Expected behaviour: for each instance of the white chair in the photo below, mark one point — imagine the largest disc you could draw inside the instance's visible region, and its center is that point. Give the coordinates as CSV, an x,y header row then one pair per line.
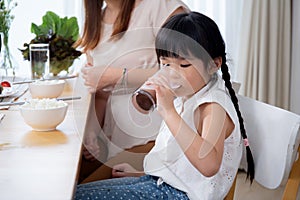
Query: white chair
x,y
236,86
274,137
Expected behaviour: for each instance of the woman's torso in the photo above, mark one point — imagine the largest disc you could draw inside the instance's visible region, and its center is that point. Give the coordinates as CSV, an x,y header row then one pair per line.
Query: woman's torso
x,y
136,47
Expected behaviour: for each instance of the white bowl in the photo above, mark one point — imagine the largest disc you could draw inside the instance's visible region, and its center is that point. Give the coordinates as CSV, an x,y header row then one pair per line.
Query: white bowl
x,y
46,88
44,114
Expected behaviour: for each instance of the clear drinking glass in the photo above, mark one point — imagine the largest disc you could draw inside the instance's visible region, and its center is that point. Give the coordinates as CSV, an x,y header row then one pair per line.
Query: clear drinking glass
x,y
144,98
39,60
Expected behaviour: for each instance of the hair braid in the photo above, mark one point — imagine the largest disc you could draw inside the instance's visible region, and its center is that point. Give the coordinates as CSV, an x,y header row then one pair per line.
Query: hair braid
x,y
226,78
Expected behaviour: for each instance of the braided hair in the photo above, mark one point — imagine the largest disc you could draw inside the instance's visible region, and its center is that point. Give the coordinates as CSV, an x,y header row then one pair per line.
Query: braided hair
x,y
198,34
226,78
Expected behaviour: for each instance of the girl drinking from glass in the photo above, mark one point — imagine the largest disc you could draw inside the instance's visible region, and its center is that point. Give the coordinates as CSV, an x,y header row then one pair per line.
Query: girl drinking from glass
x,y
199,146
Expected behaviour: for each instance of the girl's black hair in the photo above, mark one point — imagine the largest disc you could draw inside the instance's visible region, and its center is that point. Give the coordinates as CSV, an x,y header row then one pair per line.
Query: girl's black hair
x,y
194,33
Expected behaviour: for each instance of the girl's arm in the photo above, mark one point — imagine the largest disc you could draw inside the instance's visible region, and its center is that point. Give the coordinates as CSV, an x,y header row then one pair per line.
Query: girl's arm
x,y
204,149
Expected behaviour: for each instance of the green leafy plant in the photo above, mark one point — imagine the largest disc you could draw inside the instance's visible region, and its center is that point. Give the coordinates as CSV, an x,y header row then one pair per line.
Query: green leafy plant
x,y
61,34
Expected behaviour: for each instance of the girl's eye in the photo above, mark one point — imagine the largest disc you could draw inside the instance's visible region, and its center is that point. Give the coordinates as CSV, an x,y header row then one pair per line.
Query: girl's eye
x,y
186,65
165,64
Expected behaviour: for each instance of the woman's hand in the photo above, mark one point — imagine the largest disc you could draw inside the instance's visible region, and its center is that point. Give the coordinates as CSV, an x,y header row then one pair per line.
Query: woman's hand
x,y
91,77
125,170
97,78
91,149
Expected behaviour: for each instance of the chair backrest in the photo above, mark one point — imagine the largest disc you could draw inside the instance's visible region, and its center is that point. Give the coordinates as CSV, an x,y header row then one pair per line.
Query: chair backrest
x,y
274,138
236,86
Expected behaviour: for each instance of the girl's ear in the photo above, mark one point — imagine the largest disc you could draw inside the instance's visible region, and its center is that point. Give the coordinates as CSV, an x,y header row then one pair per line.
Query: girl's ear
x,y
218,62
215,65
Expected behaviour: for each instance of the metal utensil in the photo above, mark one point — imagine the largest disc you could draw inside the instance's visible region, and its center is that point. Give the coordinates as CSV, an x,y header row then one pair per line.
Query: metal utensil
x,y
2,116
45,79
22,102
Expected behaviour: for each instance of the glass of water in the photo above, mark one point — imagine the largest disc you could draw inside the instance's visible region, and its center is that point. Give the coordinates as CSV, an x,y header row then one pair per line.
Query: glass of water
x,y
39,60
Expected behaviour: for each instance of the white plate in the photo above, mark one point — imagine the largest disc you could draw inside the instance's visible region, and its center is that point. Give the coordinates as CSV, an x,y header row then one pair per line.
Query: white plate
x,y
8,92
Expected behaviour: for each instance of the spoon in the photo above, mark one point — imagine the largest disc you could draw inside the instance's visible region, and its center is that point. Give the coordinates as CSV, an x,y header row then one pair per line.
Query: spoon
x,y
44,79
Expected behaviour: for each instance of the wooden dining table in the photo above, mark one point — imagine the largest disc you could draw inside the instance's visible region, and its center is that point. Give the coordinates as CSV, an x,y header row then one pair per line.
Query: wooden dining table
x,y
38,165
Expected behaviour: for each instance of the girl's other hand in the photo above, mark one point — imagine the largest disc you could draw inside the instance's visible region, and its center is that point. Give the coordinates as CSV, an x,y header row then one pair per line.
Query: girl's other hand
x,y
124,170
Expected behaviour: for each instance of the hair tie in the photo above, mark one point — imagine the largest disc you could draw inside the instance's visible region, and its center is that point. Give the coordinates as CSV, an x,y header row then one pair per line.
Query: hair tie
x,y
246,142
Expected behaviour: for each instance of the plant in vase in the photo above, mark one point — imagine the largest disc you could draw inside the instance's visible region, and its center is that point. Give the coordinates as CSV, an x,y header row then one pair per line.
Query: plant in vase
x,y
60,34
6,18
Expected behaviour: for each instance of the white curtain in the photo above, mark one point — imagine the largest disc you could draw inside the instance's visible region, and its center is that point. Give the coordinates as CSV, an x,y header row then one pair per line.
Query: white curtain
x,y
264,51
295,81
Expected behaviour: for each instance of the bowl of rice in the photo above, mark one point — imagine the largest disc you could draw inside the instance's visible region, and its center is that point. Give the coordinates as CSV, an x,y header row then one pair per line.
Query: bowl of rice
x,y
46,88
44,114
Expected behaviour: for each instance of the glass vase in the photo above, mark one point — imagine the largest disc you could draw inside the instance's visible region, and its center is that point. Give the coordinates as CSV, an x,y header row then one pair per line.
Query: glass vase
x,y
7,64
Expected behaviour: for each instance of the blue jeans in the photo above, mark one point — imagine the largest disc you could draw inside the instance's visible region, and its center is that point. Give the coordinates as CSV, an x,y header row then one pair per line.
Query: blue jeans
x,y
132,188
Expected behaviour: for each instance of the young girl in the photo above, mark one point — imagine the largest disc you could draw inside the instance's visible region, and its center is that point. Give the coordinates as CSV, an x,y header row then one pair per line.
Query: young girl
x,y
115,36
199,146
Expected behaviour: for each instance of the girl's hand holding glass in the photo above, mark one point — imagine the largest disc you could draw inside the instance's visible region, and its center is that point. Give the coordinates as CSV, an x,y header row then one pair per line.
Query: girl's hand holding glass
x,y
164,100
164,93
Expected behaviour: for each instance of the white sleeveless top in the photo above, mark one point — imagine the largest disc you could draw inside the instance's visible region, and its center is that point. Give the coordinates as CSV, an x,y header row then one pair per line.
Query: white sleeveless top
x,y
167,160
125,126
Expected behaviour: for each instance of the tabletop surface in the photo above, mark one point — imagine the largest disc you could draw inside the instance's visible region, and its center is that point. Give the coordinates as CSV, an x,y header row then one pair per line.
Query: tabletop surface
x,y
42,165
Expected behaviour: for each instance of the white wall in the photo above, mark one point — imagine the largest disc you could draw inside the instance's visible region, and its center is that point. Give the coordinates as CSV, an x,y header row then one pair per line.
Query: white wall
x,y
295,80
29,11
